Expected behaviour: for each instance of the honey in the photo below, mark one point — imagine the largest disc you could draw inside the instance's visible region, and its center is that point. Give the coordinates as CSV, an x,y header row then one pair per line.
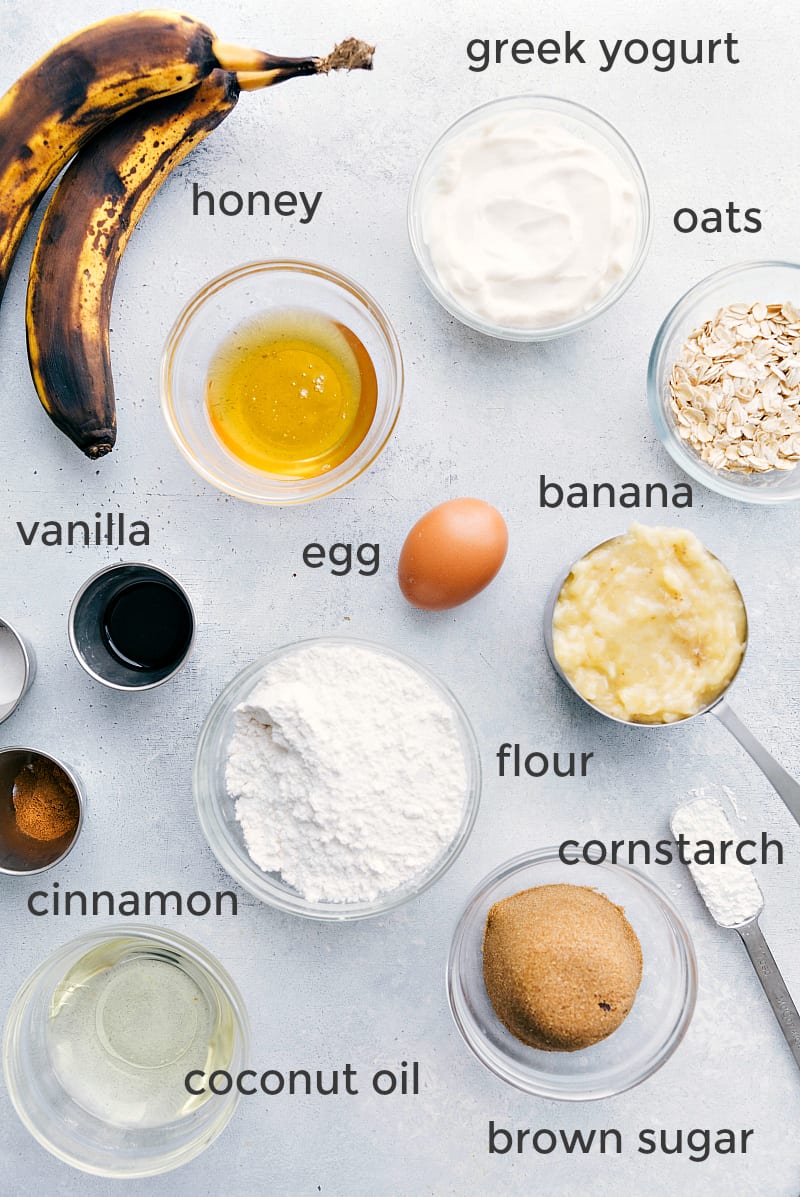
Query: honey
x,y
292,393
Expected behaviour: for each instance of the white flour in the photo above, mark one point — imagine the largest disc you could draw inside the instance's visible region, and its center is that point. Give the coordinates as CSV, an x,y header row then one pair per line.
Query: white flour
x,y
348,772
730,890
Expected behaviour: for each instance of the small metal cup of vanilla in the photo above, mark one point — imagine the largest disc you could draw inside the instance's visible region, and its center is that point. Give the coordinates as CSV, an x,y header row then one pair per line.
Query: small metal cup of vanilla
x,y
131,626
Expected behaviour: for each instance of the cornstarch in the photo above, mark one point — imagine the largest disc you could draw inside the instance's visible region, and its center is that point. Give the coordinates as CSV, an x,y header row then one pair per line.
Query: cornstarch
x,y
729,890
347,771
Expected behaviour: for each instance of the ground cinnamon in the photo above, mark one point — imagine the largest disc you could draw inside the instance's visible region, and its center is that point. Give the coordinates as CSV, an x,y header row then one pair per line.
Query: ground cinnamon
x,y
45,803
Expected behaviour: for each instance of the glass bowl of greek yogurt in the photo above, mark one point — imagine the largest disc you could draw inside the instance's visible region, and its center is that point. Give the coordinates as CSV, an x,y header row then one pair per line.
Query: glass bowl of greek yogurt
x,y
529,217
336,778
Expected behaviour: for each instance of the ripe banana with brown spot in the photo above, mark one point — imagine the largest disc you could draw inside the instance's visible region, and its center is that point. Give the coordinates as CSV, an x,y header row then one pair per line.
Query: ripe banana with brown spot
x,y
88,224
87,81
83,236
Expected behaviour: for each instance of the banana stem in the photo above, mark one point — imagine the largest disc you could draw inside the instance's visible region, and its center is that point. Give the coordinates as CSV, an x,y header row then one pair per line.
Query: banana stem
x,y
256,69
349,55
255,80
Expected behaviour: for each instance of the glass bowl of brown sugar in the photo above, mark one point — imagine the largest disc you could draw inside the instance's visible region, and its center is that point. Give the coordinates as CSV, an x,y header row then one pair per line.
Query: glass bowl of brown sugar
x,y
41,810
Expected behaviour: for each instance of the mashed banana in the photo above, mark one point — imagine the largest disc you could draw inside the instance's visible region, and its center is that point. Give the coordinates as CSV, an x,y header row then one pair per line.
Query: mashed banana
x,y
650,627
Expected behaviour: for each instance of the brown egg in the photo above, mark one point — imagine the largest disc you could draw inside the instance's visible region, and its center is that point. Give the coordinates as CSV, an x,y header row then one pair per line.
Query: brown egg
x,y
452,553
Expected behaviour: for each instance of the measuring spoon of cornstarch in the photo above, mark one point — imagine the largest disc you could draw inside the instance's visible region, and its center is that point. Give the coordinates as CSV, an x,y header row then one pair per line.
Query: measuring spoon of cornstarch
x,y
734,901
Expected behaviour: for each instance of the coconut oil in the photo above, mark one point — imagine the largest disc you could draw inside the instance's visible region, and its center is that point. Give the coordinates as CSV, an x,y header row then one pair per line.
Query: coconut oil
x,y
128,1022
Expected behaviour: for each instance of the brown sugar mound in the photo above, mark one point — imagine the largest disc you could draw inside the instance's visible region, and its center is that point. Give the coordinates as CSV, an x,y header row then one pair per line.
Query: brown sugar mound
x,y
561,965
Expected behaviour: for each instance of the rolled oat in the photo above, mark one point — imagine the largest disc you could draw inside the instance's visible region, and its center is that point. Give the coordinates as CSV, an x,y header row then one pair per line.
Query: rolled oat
x,y
735,388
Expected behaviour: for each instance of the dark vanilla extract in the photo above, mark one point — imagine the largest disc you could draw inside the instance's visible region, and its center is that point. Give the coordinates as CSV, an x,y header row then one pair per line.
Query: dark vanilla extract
x,y
147,625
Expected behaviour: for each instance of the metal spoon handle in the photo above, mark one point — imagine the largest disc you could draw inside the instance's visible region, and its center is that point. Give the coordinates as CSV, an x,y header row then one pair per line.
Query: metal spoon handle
x,y
773,984
784,784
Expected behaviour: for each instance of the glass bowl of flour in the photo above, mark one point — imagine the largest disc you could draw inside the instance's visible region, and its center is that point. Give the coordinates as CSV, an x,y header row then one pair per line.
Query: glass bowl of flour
x,y
336,778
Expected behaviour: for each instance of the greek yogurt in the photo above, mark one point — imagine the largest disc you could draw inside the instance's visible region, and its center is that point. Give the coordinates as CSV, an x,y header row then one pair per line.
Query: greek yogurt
x,y
528,224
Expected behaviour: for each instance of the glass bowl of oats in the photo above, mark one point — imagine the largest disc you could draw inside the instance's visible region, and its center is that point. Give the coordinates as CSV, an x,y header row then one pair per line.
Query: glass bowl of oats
x,y
723,382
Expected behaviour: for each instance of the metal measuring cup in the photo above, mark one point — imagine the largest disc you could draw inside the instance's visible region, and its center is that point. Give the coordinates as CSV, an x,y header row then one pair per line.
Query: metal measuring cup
x,y
782,782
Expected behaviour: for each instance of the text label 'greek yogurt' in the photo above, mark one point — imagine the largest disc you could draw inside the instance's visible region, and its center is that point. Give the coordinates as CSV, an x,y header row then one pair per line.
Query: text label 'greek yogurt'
x,y
662,55
341,558
255,203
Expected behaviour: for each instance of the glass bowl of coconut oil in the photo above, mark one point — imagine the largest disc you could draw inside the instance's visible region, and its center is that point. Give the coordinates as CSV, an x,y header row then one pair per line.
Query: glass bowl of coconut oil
x,y
100,1043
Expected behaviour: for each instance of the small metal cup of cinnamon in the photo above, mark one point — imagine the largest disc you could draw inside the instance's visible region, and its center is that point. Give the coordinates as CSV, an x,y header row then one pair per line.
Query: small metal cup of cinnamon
x,y
41,810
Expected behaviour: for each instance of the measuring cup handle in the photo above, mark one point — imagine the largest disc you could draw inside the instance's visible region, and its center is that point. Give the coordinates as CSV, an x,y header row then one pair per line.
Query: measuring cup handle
x,y
785,785
773,985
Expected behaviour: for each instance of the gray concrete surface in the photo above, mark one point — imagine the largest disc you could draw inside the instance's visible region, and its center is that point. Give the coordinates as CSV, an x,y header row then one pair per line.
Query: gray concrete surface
x,y
480,418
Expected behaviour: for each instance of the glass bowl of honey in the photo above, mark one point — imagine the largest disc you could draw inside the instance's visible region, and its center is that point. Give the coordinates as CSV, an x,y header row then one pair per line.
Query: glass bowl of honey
x,y
281,382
